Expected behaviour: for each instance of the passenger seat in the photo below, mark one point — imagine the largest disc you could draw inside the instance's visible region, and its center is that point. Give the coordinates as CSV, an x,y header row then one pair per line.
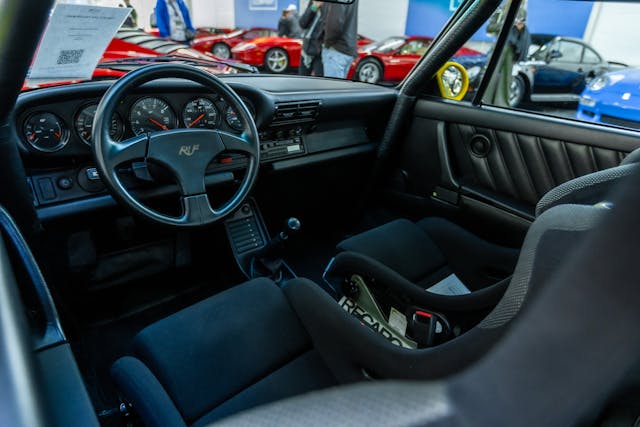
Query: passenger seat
x,y
431,250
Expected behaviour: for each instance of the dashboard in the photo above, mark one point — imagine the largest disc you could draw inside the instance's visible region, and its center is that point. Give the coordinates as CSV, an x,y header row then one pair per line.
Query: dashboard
x,y
300,121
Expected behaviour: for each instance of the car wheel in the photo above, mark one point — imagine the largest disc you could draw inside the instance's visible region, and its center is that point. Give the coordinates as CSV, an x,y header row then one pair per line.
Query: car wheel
x,y
369,71
517,91
276,60
221,50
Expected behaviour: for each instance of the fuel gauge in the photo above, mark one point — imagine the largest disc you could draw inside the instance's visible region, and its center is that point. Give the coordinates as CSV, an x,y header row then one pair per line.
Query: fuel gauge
x,y
45,132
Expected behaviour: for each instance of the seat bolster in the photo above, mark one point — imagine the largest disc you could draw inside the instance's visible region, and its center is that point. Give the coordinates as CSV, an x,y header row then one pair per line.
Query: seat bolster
x,y
401,245
587,189
346,263
143,390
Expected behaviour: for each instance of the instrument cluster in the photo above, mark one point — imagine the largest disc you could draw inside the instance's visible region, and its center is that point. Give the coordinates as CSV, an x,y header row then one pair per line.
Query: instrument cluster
x,y
47,131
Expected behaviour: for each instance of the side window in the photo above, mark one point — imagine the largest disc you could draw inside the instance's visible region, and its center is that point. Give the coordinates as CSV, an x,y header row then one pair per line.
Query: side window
x,y
568,52
590,56
250,35
582,62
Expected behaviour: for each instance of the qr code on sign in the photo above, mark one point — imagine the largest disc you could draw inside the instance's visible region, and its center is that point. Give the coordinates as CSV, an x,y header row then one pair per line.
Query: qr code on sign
x,y
71,56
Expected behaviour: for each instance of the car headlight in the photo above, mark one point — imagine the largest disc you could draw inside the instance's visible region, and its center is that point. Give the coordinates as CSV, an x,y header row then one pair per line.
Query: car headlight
x,y
243,47
599,83
587,102
473,72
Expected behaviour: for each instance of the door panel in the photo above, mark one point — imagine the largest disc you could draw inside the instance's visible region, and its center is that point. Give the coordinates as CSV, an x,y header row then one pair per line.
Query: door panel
x,y
519,166
487,167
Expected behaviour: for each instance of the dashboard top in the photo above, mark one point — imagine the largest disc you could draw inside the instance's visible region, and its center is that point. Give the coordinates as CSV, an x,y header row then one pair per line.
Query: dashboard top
x,y
57,121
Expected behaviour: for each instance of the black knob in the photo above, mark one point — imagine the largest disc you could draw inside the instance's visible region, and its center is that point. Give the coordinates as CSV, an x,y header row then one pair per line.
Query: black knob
x,y
293,224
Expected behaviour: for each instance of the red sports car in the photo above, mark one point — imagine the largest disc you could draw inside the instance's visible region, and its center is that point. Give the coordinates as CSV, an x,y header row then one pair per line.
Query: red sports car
x,y
131,49
391,59
221,44
275,54
200,31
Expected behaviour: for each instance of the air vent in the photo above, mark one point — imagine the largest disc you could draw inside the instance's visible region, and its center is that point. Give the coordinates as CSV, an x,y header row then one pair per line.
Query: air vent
x,y
295,112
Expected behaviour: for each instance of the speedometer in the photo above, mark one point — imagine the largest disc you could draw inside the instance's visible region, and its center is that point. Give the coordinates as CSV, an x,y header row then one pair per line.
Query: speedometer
x,y
200,113
84,124
151,115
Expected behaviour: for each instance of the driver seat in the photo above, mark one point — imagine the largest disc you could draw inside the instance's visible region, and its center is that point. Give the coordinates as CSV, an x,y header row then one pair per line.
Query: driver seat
x,y
257,343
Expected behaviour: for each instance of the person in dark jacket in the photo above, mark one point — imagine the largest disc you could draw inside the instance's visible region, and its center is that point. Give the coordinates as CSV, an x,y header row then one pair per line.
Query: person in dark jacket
x,y
312,21
173,20
288,25
340,38
519,40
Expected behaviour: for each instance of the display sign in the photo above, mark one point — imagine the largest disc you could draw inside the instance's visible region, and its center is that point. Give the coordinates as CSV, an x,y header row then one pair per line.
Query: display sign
x,y
263,4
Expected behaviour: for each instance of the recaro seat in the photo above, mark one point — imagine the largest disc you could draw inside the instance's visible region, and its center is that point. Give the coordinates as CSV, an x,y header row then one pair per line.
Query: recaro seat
x,y
258,343
427,251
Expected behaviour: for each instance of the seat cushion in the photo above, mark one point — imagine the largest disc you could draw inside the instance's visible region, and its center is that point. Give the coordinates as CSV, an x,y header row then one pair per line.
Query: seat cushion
x,y
402,246
428,251
206,354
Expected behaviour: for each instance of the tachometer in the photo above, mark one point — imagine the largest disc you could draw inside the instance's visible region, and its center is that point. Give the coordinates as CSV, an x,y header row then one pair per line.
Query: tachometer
x,y
151,115
84,124
45,132
200,113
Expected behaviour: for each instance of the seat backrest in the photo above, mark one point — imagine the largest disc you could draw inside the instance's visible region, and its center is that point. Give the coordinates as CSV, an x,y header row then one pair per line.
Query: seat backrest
x,y
553,235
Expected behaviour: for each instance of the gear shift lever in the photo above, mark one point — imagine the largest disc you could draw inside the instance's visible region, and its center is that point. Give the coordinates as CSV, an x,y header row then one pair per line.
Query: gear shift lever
x,y
269,259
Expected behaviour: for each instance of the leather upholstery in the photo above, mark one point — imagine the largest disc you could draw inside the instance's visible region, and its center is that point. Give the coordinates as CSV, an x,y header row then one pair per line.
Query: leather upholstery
x,y
523,167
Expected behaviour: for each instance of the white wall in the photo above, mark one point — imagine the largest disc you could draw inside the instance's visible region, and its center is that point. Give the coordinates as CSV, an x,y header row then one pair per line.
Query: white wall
x,y
213,13
613,30
378,19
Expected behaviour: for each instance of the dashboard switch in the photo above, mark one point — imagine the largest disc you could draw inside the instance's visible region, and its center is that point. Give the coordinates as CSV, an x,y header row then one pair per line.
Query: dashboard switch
x,y
92,174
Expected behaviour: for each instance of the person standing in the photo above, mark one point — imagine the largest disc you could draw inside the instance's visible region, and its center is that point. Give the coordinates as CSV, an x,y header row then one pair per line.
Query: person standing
x,y
312,21
288,25
173,20
340,38
499,88
132,19
520,39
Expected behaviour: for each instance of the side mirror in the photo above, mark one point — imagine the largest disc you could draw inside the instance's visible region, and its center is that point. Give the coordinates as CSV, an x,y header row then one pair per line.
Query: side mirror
x,y
554,54
453,81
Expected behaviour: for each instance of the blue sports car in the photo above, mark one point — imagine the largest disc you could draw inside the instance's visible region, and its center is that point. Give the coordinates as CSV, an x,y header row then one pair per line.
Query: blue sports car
x,y
613,98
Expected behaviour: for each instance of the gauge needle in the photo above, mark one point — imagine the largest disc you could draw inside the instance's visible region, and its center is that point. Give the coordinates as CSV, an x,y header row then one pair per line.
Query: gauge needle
x,y
157,123
196,120
57,134
32,137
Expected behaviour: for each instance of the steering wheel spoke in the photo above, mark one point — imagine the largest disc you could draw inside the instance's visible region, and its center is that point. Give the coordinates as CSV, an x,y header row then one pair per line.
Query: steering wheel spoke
x,y
197,210
125,151
237,144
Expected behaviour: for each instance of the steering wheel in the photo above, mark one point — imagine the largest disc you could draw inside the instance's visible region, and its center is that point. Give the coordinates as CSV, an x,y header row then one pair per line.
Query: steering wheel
x,y
184,152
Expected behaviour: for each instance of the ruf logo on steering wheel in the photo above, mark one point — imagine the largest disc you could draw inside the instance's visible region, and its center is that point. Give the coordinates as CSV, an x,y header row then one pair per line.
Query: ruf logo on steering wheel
x,y
188,150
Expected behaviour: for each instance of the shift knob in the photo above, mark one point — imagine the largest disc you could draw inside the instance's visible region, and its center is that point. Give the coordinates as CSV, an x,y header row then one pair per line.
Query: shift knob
x,y
292,227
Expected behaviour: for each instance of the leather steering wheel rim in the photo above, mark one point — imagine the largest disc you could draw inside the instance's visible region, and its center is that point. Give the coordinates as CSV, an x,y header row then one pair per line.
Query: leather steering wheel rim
x,y
185,152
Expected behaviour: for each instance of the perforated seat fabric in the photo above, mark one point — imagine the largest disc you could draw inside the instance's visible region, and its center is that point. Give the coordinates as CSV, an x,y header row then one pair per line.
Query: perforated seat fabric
x,y
431,249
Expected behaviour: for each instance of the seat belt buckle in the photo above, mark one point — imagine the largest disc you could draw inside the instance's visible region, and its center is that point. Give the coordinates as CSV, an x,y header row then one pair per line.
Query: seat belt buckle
x,y
423,327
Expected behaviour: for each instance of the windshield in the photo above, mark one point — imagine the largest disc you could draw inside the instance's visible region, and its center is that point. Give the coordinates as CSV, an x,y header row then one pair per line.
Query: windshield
x,y
288,37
